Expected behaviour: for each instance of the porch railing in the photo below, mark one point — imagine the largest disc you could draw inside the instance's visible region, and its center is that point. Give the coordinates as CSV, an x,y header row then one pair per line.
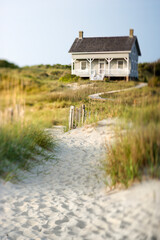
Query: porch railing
x,y
110,72
82,72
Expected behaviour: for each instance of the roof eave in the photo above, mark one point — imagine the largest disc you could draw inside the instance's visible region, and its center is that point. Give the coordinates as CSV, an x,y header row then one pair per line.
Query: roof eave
x,y
128,51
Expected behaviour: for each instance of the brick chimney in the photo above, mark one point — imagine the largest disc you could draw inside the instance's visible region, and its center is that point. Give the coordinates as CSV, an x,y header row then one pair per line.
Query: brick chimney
x,y
80,34
131,32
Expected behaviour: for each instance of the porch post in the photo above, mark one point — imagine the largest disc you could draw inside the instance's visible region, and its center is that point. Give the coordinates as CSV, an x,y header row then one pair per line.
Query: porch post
x,y
127,75
71,66
109,66
90,60
72,61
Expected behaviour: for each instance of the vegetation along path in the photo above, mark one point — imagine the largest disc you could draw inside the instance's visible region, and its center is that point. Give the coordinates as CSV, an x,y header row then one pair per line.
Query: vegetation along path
x,y
67,199
98,96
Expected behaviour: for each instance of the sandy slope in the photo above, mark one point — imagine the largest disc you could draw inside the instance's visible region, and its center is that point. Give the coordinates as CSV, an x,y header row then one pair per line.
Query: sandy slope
x,y
67,199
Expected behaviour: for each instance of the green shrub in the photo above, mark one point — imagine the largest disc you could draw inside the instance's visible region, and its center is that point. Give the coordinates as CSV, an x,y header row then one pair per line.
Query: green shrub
x,y
154,82
69,78
60,66
6,64
56,73
44,75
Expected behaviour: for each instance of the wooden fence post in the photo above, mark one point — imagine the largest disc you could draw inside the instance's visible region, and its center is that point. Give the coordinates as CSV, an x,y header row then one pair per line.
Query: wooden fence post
x,y
77,117
80,110
71,117
83,113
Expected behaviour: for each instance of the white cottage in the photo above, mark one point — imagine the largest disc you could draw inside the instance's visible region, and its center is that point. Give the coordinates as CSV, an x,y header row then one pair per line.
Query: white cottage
x,y
99,57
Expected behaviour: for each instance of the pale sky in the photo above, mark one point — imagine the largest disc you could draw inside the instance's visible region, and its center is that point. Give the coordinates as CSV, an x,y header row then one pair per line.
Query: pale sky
x,y
42,31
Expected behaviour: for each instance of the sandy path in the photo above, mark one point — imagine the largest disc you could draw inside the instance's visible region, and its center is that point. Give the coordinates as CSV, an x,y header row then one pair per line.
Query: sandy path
x,y
68,200
97,96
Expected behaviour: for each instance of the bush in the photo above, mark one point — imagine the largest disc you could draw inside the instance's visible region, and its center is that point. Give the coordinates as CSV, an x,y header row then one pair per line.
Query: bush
x,y
69,78
154,82
6,64
56,73
44,75
60,66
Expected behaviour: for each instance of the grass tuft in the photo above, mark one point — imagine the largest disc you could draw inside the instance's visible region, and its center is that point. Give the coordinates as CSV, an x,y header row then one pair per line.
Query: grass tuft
x,y
18,146
135,154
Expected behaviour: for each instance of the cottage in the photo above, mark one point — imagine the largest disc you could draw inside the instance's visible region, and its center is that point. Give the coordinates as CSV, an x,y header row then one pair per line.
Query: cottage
x,y
99,57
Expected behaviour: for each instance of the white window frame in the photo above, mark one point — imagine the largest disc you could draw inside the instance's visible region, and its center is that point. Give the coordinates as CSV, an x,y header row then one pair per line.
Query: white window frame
x,y
81,66
118,62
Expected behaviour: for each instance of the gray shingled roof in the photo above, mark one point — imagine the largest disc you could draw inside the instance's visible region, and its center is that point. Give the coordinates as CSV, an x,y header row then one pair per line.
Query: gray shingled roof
x,y
104,44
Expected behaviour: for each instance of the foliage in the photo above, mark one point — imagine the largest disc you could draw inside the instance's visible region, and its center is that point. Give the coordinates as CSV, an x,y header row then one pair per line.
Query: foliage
x,y
148,70
48,97
6,64
135,154
154,82
55,66
18,146
60,66
69,78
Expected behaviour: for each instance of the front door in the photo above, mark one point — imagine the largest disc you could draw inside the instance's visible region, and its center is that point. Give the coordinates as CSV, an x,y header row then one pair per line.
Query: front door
x,y
101,67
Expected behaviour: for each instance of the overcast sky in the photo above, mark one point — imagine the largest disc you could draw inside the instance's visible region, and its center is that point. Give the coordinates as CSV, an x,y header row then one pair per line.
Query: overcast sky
x,y
42,31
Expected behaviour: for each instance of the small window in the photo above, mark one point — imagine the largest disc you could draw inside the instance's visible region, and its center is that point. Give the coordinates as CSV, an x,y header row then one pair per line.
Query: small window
x,y
83,65
120,64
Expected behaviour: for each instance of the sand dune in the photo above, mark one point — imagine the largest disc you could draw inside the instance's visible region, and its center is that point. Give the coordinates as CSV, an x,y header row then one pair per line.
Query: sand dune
x,y
67,199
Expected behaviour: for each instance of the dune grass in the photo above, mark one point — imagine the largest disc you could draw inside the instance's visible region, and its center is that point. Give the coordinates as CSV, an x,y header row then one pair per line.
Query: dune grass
x,y
136,153
48,96
19,147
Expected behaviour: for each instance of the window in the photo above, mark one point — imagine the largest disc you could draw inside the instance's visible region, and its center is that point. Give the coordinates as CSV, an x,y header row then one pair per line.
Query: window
x,y
120,64
83,65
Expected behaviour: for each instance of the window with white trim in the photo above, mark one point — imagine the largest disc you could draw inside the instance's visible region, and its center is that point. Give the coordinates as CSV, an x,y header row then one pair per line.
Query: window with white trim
x,y
120,64
83,65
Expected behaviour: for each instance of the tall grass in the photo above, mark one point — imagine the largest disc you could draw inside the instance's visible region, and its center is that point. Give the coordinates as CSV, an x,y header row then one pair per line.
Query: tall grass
x,y
137,152
20,141
19,147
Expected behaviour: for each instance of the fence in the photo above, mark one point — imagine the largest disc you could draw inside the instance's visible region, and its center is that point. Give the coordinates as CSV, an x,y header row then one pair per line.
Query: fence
x,y
12,100
77,116
11,114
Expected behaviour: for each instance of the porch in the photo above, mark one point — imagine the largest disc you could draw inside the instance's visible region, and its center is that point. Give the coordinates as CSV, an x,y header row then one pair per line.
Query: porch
x,y
97,69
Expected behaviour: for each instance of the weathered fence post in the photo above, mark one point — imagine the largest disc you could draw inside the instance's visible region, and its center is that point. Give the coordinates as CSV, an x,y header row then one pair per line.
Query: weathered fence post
x,y
80,110
71,117
77,117
83,113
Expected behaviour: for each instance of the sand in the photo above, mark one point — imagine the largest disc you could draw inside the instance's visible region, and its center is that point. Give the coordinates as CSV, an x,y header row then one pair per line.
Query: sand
x,y
66,198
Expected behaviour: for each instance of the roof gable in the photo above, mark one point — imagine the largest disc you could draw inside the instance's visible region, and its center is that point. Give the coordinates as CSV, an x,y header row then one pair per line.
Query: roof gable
x,y
104,44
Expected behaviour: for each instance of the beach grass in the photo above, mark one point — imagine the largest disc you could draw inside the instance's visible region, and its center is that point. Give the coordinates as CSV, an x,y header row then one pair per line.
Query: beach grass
x,y
46,94
19,146
136,153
